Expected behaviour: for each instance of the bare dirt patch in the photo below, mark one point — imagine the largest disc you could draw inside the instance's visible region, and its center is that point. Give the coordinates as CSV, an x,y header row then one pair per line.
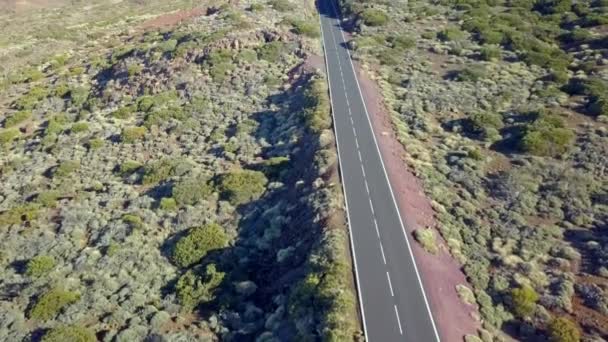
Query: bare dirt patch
x,y
440,273
172,19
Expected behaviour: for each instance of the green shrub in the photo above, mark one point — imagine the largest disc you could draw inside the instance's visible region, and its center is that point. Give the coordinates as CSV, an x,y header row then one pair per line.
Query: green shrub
x,y
131,135
129,167
144,104
31,100
56,124
426,238
471,74
134,221
191,190
39,266
48,199
168,204
193,290
125,112
158,117
78,96
159,170
524,300
274,166
306,28
69,333
402,42
8,135
66,168
374,17
50,303
256,7
79,127
547,136
451,34
95,144
281,5
199,241
17,118
134,69
20,214
316,106
562,329
243,186
487,124
491,37
271,51
489,53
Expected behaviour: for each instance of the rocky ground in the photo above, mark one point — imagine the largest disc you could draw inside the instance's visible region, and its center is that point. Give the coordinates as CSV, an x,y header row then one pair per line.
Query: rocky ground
x,y
506,128
172,178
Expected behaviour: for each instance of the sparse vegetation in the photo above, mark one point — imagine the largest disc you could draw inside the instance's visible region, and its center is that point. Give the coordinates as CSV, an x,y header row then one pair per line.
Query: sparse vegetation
x,y
147,122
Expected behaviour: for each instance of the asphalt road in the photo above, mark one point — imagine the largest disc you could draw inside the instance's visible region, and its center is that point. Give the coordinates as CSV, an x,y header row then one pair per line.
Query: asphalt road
x,y
393,304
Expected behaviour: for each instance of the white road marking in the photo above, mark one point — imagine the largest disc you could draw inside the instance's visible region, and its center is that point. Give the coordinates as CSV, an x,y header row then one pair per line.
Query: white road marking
x,y
382,251
390,285
398,320
426,302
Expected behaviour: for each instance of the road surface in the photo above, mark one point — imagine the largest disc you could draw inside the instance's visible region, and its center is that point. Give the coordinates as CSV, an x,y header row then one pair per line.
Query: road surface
x,y
393,303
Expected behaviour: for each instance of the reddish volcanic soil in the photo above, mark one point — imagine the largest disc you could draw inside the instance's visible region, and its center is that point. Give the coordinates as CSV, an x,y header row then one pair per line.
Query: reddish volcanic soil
x,y
440,273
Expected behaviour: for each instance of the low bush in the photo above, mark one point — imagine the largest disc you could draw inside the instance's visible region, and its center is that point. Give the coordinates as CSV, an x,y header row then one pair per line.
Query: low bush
x,y
193,290
131,135
547,136
79,127
39,266
191,190
134,221
50,303
159,170
199,241
17,118
20,214
168,204
8,135
374,17
562,329
451,34
271,51
69,333
306,28
48,199
426,238
31,100
316,106
66,168
402,42
471,74
523,301
281,5
129,167
95,144
489,53
243,186
126,112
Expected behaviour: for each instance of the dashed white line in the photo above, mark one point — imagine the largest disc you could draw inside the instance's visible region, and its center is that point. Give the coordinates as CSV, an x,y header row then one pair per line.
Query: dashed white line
x,y
382,251
390,285
398,319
